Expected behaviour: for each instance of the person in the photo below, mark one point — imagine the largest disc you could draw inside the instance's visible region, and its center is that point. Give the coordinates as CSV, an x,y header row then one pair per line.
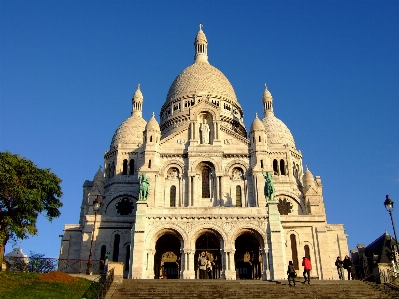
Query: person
x,y
307,266
205,132
209,269
202,265
348,266
340,267
291,273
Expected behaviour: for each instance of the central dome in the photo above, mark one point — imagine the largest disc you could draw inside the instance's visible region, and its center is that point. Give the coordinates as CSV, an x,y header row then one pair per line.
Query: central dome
x,y
201,78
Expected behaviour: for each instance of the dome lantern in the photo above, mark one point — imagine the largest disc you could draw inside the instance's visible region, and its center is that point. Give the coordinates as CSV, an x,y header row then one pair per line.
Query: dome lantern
x,y
137,102
267,101
201,47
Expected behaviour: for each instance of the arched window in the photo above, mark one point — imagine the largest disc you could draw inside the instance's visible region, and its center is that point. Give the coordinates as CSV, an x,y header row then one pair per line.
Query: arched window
x,y
127,258
109,170
275,166
149,163
259,138
131,166
253,139
307,251
261,164
206,192
115,254
173,196
151,138
238,196
282,167
294,251
103,252
124,169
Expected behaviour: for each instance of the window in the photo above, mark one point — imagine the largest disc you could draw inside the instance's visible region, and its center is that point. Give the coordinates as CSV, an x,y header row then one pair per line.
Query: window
x,y
149,164
103,252
261,164
259,138
307,251
124,169
173,196
294,251
131,166
275,166
238,196
205,183
282,167
115,255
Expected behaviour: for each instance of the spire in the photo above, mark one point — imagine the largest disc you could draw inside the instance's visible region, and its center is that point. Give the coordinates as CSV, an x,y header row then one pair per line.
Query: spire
x,y
201,47
137,102
267,101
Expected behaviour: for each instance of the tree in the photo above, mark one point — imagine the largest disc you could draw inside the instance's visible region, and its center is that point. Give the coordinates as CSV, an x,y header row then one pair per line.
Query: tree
x,y
25,192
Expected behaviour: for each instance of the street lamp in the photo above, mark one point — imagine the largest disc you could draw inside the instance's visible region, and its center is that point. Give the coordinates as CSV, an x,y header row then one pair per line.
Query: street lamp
x,y
96,208
388,203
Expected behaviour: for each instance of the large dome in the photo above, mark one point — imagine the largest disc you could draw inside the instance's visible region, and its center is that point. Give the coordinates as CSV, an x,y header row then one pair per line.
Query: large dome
x,y
201,78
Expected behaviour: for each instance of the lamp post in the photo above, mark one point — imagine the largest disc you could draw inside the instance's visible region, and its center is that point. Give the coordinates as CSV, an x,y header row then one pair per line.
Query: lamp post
x,y
388,203
96,208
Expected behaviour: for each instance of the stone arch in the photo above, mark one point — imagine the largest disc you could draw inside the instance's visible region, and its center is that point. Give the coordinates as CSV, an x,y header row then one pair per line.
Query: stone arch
x,y
110,207
236,163
253,230
294,243
174,163
293,197
154,234
198,161
204,228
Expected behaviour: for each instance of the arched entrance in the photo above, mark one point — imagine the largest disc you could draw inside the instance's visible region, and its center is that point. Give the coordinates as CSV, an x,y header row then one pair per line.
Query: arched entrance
x,y
247,257
167,257
209,242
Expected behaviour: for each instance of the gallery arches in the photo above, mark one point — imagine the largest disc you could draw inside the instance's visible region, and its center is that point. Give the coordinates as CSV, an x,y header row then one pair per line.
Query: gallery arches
x,y
167,258
248,257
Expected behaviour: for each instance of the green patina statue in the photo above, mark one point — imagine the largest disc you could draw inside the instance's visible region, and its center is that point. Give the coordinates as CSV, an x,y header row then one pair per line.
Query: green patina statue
x,y
269,187
144,186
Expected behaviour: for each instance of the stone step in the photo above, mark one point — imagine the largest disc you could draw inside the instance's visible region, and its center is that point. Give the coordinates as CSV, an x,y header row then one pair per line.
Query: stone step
x,y
222,289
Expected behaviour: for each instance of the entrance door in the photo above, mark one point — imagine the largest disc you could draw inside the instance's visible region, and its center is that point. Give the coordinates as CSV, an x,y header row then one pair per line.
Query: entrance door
x,y
247,257
167,257
171,270
210,244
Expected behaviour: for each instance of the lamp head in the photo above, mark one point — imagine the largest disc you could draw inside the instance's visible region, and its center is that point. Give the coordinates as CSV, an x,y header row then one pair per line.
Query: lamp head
x,y
97,203
388,203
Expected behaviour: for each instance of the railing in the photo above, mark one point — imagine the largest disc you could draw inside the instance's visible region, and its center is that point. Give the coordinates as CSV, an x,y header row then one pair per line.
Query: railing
x,y
78,266
106,279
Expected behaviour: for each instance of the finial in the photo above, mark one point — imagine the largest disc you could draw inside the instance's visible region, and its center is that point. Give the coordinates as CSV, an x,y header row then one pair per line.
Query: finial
x,y
256,115
200,26
138,86
307,168
265,86
153,115
100,168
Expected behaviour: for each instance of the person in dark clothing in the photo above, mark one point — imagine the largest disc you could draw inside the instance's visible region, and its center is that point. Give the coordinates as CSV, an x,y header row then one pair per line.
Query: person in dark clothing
x,y
348,266
291,273
340,267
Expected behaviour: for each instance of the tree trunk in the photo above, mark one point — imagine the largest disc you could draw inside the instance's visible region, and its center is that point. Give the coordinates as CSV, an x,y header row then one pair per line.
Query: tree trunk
x,y
1,256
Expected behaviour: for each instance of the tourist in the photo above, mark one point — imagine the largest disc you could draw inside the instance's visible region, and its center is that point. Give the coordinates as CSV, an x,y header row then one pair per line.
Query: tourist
x,y
340,268
202,265
291,273
209,269
348,266
307,266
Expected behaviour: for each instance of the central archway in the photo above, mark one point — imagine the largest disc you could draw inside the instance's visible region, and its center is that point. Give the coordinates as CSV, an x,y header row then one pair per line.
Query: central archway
x,y
209,242
167,262
247,257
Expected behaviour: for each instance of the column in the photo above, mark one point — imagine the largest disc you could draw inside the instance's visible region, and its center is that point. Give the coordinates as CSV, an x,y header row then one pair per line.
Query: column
x,y
230,272
264,268
150,263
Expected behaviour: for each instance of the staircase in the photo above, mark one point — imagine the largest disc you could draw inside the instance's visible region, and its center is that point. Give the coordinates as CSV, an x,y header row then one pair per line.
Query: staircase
x,y
247,289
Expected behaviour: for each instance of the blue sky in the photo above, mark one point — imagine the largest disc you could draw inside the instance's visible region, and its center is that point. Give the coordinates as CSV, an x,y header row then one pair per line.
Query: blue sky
x,y
69,69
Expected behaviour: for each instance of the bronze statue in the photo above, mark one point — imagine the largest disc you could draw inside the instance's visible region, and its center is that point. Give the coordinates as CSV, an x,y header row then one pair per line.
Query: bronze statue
x,y
144,186
269,186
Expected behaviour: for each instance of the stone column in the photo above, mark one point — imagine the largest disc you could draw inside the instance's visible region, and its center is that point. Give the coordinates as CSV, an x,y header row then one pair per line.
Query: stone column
x,y
230,272
223,260
137,242
189,272
264,269
150,263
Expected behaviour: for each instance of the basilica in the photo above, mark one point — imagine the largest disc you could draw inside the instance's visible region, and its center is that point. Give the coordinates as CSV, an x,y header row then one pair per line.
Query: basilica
x,y
193,184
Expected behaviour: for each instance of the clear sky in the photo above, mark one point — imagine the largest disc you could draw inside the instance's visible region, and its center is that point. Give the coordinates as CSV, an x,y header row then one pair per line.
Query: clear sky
x,y
69,70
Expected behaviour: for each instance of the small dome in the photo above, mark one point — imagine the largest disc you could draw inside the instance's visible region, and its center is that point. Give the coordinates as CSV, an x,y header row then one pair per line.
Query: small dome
x,y
152,124
308,179
130,132
138,95
277,132
257,125
267,96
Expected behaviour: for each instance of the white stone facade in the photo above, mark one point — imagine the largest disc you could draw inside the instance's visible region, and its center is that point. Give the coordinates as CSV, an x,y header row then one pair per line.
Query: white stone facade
x,y
206,190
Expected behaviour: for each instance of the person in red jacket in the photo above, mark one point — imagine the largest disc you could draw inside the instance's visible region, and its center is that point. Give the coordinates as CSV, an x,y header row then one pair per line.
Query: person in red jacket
x,y
307,266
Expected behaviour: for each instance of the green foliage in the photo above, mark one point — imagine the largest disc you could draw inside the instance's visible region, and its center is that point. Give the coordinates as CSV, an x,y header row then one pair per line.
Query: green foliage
x,y
25,192
19,285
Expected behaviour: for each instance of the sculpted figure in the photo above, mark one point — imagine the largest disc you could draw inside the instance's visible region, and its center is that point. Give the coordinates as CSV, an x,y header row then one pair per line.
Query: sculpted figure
x,y
269,186
205,132
144,186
